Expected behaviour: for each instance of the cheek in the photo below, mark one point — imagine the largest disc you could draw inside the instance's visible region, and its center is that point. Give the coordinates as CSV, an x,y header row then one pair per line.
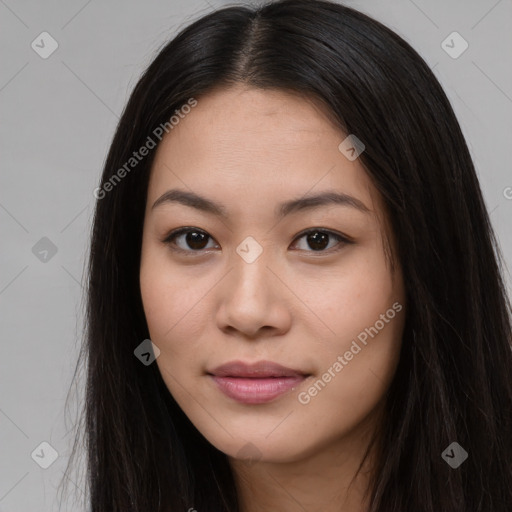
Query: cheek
x,y
172,322
356,303
175,305
354,375
351,296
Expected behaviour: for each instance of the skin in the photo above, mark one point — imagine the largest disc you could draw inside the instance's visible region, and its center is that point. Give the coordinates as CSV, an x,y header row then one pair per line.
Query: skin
x,y
251,149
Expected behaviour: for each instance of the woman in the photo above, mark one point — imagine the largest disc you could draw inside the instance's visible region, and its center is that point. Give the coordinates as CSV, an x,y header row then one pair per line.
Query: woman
x,y
295,299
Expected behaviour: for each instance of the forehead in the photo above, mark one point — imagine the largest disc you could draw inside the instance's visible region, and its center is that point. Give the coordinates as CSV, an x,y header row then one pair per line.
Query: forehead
x,y
249,143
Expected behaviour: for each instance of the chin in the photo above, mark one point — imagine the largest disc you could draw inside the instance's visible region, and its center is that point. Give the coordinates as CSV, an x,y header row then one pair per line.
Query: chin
x,y
258,448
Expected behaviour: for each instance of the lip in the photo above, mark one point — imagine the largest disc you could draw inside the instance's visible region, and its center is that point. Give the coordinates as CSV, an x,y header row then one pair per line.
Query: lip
x,y
255,383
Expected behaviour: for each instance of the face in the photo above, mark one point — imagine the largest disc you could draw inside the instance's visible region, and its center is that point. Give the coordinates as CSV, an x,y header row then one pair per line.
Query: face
x,y
262,273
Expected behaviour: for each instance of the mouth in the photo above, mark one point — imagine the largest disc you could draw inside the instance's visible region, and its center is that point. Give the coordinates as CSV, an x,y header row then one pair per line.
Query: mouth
x,y
256,383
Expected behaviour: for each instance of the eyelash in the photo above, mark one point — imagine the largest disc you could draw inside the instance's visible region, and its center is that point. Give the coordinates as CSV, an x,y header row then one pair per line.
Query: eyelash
x,y
169,240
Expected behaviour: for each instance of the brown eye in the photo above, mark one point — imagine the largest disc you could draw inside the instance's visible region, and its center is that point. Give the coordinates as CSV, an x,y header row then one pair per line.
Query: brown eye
x,y
188,239
320,240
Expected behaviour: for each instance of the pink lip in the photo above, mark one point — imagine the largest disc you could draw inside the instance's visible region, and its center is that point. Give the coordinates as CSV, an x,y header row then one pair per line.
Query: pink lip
x,y
256,383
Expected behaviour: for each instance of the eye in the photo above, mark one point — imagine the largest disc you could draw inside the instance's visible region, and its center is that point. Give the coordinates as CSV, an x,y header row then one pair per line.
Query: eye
x,y
319,240
191,239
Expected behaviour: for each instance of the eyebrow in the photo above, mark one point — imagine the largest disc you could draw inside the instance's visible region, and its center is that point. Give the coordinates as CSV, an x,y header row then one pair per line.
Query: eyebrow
x,y
201,203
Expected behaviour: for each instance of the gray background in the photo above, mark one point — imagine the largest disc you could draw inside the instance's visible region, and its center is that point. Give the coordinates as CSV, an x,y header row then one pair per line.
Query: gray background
x,y
58,117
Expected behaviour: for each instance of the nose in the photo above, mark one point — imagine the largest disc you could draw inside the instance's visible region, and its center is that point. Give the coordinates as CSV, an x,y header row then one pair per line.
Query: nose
x,y
254,301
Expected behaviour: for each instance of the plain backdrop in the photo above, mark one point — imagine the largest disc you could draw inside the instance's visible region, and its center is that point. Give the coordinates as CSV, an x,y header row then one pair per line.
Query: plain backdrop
x,y
58,115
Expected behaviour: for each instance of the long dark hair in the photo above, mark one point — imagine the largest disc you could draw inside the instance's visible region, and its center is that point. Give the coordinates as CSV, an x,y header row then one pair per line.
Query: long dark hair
x,y
453,381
